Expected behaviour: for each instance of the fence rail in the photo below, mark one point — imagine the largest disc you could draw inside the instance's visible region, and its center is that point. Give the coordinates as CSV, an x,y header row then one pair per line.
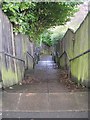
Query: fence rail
x,y
15,65
74,57
80,55
30,55
7,54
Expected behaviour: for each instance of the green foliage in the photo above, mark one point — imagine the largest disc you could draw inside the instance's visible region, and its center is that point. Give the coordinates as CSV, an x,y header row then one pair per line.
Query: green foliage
x,y
58,33
33,17
53,34
46,38
21,15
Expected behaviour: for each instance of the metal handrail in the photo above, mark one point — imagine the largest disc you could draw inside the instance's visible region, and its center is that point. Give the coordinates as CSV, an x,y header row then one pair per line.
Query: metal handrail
x,y
76,56
80,55
32,58
67,55
63,54
30,55
7,54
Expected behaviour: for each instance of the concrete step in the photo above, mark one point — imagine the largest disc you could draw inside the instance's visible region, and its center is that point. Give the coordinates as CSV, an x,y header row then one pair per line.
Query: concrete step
x,y
62,114
45,102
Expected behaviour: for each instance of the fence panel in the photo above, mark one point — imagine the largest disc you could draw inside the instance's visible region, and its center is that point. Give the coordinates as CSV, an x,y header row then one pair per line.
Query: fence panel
x,y
79,66
9,68
75,44
0,44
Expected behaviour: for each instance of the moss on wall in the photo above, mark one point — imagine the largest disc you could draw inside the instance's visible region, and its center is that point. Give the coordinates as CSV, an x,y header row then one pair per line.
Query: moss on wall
x,y
30,62
75,43
79,66
20,71
12,73
79,69
69,48
12,70
62,62
9,77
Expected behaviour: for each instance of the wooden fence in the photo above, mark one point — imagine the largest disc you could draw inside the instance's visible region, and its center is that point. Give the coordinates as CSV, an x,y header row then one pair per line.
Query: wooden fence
x,y
74,51
13,53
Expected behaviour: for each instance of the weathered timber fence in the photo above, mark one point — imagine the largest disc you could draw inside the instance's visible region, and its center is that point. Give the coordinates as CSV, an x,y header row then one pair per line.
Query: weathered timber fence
x,y
13,53
74,52
8,63
23,46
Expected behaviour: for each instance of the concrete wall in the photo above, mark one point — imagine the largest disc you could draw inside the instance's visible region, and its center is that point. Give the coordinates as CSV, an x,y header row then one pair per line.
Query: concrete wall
x,y
7,68
28,46
67,44
75,43
0,69
12,69
0,43
89,47
79,66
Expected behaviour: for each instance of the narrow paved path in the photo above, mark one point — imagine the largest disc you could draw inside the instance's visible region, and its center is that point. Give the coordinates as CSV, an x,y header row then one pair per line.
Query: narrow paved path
x,y
46,77
45,96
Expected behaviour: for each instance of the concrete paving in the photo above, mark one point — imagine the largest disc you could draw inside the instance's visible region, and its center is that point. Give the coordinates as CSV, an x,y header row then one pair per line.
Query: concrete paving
x,y
46,97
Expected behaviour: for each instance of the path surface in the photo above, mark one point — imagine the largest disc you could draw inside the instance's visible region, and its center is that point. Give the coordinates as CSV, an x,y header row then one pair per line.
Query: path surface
x,y
45,96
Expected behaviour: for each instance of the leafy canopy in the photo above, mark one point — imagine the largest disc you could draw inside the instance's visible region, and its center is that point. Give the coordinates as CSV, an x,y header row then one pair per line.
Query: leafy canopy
x,y
32,18
45,37
53,35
